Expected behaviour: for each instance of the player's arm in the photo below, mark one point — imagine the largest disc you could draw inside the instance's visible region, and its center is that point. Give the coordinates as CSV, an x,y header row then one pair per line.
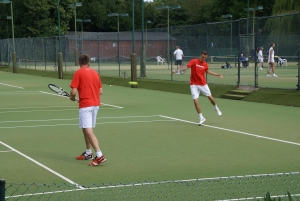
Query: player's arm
x,y
215,74
101,92
73,94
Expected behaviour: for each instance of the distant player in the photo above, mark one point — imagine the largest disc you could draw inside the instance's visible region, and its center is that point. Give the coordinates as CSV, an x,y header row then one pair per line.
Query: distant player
x,y
260,57
198,82
178,54
88,84
271,61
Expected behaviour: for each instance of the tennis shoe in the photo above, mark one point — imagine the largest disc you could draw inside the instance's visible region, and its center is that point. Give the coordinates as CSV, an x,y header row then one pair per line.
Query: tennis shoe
x,y
97,161
202,120
260,69
274,75
218,111
85,156
269,75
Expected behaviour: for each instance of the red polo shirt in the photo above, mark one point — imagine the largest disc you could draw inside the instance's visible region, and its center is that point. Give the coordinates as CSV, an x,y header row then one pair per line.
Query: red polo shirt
x,y
198,70
88,83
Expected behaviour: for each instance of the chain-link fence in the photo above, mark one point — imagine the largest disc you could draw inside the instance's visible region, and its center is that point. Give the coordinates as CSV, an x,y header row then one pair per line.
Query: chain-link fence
x,y
249,187
225,42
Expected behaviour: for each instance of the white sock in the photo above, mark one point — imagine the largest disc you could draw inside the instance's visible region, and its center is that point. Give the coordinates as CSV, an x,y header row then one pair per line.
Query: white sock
x,y
99,154
200,116
88,151
216,107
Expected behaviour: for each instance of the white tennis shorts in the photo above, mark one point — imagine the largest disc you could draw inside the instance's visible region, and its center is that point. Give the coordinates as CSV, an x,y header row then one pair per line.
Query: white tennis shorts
x,y
260,60
197,89
88,116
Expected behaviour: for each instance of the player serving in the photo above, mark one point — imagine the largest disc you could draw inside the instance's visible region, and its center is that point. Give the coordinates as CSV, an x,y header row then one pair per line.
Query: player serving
x,y
198,82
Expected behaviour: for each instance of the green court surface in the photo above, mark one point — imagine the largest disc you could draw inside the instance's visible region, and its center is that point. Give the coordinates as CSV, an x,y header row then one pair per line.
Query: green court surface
x,y
146,136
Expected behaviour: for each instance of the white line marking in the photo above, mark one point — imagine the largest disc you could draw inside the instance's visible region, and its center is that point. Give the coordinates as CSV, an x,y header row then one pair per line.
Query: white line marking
x,y
6,151
43,166
53,94
162,182
68,97
52,125
12,86
45,120
17,108
240,132
38,111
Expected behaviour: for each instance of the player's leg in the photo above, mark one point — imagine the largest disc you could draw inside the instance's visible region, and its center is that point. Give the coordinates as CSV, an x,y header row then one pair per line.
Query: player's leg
x,y
195,92
100,158
273,69
87,121
206,92
268,69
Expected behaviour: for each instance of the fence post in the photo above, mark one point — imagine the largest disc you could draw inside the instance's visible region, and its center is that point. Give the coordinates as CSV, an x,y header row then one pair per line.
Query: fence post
x,y
2,189
298,85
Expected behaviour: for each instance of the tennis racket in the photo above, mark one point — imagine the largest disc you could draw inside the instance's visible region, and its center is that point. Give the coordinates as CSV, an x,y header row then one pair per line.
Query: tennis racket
x,y
59,90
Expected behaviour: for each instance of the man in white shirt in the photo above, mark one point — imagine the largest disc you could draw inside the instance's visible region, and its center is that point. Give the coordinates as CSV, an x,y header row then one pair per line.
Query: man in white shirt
x,y
260,58
178,54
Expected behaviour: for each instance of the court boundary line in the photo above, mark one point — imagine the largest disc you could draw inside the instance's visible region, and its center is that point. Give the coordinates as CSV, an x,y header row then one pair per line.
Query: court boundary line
x,y
41,165
235,131
11,86
52,125
68,97
162,182
70,119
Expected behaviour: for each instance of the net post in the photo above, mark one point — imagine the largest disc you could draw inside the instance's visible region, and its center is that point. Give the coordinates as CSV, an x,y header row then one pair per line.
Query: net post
x,y
143,61
2,189
14,60
133,69
60,66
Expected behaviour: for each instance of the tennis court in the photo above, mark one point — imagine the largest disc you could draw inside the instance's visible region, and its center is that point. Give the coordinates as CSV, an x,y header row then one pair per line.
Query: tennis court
x,y
150,139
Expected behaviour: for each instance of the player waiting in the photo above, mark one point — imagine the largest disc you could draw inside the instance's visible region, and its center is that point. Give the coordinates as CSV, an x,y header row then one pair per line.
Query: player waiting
x,y
260,57
198,82
271,61
88,84
178,54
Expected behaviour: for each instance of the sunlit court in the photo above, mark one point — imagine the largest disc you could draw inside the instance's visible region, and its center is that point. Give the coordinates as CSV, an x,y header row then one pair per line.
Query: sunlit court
x,y
154,147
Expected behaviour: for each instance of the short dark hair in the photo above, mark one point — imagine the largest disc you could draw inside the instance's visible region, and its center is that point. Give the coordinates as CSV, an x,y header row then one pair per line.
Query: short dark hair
x,y
84,59
204,52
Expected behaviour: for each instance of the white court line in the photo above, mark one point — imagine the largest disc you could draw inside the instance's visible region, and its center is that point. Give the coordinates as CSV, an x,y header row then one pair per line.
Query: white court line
x,y
38,111
45,120
235,131
68,97
162,182
17,108
6,151
71,119
12,86
43,166
52,125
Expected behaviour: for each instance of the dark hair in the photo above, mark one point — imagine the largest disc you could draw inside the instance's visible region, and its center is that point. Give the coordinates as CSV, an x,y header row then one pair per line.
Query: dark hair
x,y
272,44
84,59
204,52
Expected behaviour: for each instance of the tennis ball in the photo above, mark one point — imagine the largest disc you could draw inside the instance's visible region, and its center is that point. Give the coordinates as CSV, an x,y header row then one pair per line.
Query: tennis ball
x,y
110,85
133,83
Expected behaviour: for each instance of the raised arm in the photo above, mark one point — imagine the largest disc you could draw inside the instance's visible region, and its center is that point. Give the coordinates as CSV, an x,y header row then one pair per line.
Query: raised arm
x,y
215,74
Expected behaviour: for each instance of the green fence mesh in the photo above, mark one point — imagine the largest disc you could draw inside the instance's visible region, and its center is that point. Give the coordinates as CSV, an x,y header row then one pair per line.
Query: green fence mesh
x,y
248,187
225,42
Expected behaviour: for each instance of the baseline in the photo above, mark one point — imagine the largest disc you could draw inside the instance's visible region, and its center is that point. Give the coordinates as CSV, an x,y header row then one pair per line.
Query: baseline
x,y
11,86
235,131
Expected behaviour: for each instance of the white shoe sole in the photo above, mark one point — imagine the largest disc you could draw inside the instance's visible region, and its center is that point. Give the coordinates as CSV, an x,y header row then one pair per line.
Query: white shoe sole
x,y
202,121
218,112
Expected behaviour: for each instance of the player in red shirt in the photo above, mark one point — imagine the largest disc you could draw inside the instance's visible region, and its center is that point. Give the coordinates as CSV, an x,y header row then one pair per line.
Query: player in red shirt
x,y
198,82
88,84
